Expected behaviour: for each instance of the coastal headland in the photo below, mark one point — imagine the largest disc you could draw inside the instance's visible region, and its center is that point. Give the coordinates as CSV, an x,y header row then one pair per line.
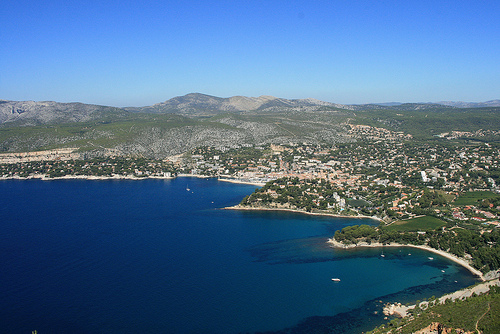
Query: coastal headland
x,y
253,208
335,244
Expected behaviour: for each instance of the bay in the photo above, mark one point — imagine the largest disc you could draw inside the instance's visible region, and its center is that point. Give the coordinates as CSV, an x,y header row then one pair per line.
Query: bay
x,y
150,256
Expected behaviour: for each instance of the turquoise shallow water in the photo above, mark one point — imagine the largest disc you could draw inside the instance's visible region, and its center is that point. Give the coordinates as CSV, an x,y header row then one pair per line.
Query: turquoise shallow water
x,y
151,257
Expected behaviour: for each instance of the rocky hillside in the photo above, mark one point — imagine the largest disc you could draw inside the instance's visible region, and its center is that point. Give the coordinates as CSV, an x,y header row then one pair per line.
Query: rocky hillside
x,y
160,135
30,113
184,122
201,104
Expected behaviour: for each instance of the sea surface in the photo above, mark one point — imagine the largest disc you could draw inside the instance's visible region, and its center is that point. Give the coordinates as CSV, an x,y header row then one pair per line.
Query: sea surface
x,y
161,256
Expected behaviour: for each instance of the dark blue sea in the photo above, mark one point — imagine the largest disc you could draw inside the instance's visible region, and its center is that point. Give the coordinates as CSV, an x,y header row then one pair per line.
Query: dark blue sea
x,y
79,256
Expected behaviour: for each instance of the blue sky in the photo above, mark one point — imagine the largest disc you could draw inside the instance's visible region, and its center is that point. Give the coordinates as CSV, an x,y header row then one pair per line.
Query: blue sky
x,y
137,53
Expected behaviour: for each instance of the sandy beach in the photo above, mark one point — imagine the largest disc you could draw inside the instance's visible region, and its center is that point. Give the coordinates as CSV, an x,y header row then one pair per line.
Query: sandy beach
x,y
255,183
252,208
447,255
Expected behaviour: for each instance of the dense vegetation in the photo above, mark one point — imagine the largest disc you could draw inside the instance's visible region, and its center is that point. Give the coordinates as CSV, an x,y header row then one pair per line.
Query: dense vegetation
x,y
423,223
475,197
103,167
158,131
426,123
475,313
484,248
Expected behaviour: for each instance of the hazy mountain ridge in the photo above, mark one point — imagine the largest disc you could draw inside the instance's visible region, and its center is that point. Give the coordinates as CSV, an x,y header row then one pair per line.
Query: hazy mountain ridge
x,y
460,104
401,106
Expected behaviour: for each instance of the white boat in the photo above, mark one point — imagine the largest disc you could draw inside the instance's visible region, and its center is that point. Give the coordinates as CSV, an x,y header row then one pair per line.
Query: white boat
x,y
430,258
336,279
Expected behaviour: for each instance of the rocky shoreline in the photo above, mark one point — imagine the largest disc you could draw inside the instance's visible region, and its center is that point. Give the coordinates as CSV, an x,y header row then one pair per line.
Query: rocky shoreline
x,y
401,311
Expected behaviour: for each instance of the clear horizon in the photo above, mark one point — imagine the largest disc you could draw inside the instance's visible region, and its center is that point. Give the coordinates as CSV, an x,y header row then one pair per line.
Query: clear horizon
x,y
131,54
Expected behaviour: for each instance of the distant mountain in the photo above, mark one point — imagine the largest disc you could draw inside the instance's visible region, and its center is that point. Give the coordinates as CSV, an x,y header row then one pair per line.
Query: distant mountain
x,y
192,105
459,104
427,105
101,131
196,105
202,104
399,106
389,104
49,112
184,122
